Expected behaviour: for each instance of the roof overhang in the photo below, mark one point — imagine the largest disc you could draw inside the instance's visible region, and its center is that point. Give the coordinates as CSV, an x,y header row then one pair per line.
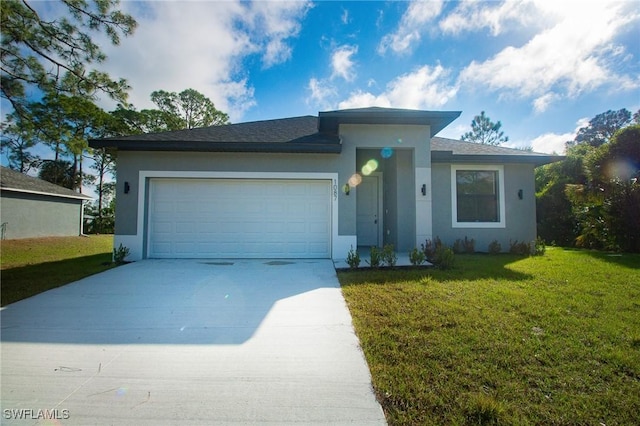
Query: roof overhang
x,y
202,146
48,194
535,159
329,121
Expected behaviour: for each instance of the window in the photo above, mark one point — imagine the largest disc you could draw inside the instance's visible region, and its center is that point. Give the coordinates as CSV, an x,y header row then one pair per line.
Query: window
x,y
477,196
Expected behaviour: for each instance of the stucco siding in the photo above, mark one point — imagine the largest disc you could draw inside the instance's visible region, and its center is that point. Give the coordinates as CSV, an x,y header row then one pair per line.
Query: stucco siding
x,y
131,163
520,214
33,215
408,149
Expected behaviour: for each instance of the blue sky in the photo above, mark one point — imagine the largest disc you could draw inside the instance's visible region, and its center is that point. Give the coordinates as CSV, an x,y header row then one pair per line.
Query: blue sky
x,y
543,68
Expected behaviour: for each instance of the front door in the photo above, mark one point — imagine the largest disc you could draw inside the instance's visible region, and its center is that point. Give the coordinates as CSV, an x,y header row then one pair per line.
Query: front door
x,y
369,211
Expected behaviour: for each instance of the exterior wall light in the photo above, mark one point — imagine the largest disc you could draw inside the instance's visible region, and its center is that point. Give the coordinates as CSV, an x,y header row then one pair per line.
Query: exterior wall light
x,y
424,189
520,194
346,189
126,187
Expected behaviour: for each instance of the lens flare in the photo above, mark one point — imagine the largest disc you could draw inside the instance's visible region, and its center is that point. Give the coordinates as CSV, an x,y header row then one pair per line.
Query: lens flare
x,y
355,180
399,140
386,152
370,167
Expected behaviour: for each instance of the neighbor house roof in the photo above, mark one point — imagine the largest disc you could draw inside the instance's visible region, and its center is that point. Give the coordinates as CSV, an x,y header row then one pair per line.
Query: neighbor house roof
x,y
11,180
445,150
306,134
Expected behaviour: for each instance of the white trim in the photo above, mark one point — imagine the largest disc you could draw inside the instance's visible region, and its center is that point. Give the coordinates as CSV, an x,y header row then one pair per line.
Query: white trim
x,y
501,197
137,242
50,194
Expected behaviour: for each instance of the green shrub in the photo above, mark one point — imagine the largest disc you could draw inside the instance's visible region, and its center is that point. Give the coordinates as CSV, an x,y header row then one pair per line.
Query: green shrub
x,y
521,249
458,246
353,258
389,256
429,248
464,246
495,247
538,247
444,258
376,257
417,257
120,254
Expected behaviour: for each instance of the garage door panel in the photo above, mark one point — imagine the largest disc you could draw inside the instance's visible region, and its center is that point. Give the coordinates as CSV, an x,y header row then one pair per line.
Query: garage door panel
x,y
239,218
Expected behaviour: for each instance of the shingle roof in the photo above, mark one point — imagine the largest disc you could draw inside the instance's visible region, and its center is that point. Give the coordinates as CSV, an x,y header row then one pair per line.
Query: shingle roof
x,y
309,134
444,150
297,134
10,180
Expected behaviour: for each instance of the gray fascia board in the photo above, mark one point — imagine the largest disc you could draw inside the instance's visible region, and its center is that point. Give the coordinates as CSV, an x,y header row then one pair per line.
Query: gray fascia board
x,y
329,121
449,157
279,147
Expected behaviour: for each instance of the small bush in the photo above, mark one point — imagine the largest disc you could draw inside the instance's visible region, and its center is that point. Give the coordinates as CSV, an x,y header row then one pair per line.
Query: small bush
x,y
376,257
120,254
464,246
429,248
521,249
417,257
538,247
353,258
495,247
444,258
389,256
458,246
469,245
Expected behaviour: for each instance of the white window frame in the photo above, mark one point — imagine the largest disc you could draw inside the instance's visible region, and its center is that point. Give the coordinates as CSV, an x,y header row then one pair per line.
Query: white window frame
x,y
501,198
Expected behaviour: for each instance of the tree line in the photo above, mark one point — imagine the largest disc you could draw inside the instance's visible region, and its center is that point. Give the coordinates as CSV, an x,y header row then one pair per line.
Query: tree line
x,y
50,78
591,199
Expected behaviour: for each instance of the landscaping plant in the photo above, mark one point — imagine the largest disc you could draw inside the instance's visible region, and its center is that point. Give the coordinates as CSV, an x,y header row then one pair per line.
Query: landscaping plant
x,y
353,258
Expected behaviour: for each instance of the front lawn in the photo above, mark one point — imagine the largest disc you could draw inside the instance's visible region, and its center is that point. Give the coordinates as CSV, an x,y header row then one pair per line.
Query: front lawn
x,y
34,265
503,339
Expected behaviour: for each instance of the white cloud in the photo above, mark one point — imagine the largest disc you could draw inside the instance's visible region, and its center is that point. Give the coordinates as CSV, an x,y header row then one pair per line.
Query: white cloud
x,y
426,87
570,57
474,15
322,93
345,16
276,21
554,142
200,45
342,64
541,103
413,23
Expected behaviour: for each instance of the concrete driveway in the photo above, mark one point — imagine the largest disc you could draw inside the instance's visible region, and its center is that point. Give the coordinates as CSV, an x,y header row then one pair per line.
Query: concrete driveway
x,y
188,342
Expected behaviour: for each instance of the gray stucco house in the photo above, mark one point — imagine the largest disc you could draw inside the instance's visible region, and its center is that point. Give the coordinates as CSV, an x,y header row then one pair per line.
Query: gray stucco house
x,y
31,207
312,187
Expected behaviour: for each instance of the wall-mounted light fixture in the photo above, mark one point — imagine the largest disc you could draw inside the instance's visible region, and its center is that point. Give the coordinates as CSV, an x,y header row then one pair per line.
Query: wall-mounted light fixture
x,y
424,189
346,189
520,194
126,187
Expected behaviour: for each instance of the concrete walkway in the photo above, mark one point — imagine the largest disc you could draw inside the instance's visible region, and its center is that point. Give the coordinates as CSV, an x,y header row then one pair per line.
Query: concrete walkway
x,y
188,342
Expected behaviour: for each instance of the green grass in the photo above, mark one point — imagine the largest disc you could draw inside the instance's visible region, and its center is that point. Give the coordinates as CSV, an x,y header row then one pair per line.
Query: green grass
x,y
31,266
504,340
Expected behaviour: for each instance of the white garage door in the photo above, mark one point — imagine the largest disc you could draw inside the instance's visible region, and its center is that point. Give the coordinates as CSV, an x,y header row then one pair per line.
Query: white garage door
x,y
239,218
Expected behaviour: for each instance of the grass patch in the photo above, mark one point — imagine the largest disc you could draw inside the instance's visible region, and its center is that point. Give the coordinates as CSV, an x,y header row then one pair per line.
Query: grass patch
x,y
502,339
34,265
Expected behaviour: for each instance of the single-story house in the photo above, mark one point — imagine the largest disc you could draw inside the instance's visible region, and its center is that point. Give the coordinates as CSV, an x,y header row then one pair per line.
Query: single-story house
x,y
31,207
313,187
